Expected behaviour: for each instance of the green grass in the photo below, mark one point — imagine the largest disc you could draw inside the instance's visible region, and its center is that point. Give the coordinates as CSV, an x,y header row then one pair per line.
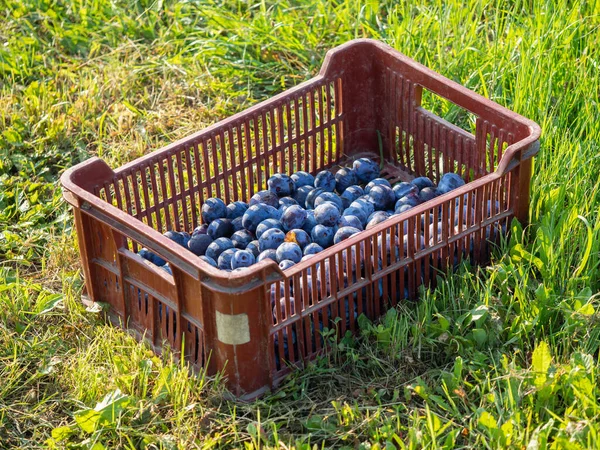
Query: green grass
x,y
504,356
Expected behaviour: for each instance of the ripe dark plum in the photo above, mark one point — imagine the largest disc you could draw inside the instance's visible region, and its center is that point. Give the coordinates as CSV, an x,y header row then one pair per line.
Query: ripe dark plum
x,y
199,243
174,236
254,247
449,182
224,260
312,249
344,178
237,224
402,208
358,212
377,182
344,233
217,247
365,204
325,180
422,183
241,239
350,221
403,189
298,236
310,222
220,228
271,239
427,194
289,250
410,200
265,197
236,209
301,194
152,257
302,178
284,202
330,197
366,169
293,217
312,196
256,214
350,194
327,214
200,229
242,258
323,235
382,197
213,208
282,185
267,254
286,264
376,218
144,253
209,260
310,255
267,225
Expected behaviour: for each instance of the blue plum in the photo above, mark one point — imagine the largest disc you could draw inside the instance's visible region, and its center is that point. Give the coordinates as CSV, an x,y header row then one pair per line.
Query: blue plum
x,y
242,258
267,224
410,200
199,243
174,236
350,221
365,204
376,218
254,247
302,193
323,235
366,169
312,249
267,254
330,197
312,196
220,228
299,237
289,250
427,194
241,239
209,260
286,264
236,209
285,202
256,214
213,208
325,180
358,212
344,178
403,189
377,182
302,178
293,217
310,222
167,268
327,214
449,182
271,239
265,197
217,247
382,197
224,261
237,224
200,229
344,233
403,208
350,194
281,184
422,183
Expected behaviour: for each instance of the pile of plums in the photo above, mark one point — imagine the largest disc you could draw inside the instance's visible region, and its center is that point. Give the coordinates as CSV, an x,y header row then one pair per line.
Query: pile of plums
x,y
300,215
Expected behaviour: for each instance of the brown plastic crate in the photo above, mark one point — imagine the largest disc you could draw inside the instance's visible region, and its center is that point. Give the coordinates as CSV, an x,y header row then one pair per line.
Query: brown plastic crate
x,y
227,321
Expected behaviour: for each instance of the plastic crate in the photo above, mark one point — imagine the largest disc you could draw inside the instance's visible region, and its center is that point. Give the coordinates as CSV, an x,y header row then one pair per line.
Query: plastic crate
x,y
365,91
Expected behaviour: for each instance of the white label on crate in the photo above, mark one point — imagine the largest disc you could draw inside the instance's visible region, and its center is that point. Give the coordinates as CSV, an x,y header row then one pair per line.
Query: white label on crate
x,y
233,329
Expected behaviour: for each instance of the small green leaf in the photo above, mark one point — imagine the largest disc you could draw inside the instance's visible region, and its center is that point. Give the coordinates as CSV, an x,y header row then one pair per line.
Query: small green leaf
x,y
62,433
540,362
488,421
480,336
87,420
